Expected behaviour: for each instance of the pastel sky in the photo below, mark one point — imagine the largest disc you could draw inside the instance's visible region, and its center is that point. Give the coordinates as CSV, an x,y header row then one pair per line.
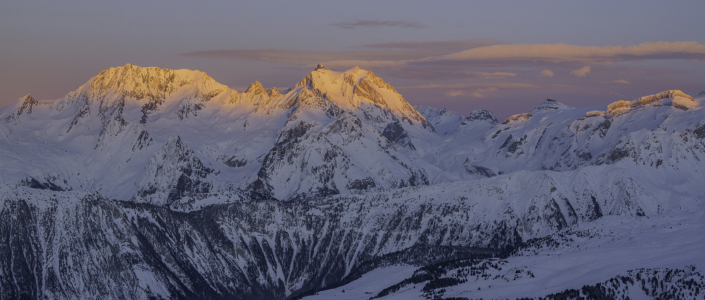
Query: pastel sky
x,y
505,56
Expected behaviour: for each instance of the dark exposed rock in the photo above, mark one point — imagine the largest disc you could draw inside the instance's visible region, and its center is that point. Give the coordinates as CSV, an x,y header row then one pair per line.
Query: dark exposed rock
x,y
35,184
143,141
480,115
395,133
506,142
189,109
294,132
514,146
362,185
234,162
473,169
27,105
700,132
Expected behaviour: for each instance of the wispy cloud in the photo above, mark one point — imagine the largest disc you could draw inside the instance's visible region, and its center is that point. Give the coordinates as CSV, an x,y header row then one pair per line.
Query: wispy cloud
x,y
380,54
477,93
305,58
441,47
460,93
622,81
480,58
502,86
542,55
453,53
582,72
556,53
449,74
352,24
471,90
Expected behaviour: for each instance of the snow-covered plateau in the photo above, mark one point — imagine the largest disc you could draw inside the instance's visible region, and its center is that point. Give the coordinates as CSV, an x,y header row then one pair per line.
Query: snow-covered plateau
x,y
157,183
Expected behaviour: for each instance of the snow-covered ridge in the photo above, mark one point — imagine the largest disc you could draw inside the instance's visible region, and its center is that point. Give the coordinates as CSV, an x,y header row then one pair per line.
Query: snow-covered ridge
x,y
518,118
549,105
127,113
646,100
150,87
332,133
675,98
21,106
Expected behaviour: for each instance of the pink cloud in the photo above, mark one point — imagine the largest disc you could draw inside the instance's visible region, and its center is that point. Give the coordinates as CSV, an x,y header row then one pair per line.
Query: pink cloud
x,y
571,53
582,72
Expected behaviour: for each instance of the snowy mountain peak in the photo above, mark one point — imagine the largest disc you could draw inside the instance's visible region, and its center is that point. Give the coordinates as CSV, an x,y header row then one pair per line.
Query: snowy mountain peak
x,y
701,94
255,88
130,74
356,88
273,92
20,106
481,115
28,97
27,103
443,121
549,105
319,66
148,85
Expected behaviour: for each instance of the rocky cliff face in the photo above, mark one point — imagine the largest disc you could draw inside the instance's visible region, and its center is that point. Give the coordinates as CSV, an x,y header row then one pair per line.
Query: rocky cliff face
x,y
173,172
77,245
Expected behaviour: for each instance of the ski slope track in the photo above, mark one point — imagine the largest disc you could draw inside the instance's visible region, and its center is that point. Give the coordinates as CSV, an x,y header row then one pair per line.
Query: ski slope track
x,y
157,183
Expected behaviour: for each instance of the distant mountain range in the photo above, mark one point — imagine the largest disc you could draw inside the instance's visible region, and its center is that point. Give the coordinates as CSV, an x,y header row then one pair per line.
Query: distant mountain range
x,y
149,182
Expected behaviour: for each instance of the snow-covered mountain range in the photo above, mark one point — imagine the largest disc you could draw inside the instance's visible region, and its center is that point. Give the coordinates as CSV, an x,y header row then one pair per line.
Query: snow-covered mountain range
x,y
155,182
